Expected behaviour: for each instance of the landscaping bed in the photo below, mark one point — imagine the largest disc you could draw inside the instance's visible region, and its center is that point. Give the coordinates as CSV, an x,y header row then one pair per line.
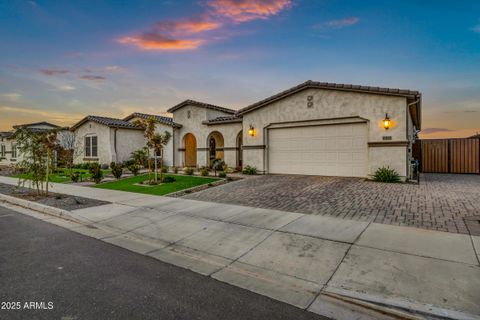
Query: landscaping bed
x,y
63,175
181,182
57,200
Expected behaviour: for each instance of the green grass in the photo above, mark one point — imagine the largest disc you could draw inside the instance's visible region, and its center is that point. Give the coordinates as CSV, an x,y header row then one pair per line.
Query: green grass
x,y
63,175
181,183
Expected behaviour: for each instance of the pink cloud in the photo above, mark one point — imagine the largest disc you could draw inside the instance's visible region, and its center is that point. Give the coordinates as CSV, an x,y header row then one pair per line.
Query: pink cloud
x,y
53,72
247,10
152,41
338,24
189,34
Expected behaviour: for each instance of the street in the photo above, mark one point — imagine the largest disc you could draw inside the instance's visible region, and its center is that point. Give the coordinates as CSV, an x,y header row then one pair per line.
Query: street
x,y
47,272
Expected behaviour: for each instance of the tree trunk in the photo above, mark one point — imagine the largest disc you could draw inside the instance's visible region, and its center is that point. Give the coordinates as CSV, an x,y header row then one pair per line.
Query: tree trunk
x,y
47,173
161,165
155,165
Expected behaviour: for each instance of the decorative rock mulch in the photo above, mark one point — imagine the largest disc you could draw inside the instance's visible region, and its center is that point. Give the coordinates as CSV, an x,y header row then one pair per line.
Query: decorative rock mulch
x,y
57,200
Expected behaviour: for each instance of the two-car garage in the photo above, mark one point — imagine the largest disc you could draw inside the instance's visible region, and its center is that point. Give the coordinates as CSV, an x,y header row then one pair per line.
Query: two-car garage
x,y
329,150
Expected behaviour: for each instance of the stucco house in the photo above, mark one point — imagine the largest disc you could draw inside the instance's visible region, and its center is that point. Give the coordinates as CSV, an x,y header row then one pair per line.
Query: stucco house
x,y
9,154
315,128
105,140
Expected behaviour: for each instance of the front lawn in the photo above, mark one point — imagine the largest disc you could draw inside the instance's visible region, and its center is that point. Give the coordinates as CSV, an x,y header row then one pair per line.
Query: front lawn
x,y
181,183
63,175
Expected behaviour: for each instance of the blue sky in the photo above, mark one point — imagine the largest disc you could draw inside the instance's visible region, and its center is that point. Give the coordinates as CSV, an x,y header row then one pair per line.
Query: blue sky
x,y
61,60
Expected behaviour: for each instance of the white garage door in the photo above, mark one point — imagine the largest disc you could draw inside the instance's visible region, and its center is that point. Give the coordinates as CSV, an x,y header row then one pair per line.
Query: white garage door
x,y
328,150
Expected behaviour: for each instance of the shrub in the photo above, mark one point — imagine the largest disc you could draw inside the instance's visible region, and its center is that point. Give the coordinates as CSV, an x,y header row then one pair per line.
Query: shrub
x,y
175,169
164,169
204,172
128,163
168,179
222,174
249,170
85,165
117,170
96,172
134,169
75,177
188,171
386,174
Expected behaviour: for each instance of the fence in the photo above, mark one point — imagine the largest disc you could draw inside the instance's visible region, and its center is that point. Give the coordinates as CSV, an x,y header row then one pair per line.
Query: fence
x,y
449,155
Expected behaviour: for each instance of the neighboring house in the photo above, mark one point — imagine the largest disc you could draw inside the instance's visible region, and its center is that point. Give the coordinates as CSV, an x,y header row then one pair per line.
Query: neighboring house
x,y
105,140
9,154
315,128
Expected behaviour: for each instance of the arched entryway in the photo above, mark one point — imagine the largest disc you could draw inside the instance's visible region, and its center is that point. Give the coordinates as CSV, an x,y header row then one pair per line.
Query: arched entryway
x,y
215,147
190,146
239,149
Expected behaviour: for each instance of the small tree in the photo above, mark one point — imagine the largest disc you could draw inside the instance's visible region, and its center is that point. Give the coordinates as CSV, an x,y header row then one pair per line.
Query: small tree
x,y
217,165
140,157
159,142
148,127
38,150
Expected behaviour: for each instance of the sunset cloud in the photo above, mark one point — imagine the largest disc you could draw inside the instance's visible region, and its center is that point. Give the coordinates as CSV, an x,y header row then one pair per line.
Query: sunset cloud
x,y
92,78
434,130
338,24
189,34
53,72
247,10
152,41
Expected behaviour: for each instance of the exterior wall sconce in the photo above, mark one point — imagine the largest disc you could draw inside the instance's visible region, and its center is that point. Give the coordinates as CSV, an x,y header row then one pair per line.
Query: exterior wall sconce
x,y
251,131
387,123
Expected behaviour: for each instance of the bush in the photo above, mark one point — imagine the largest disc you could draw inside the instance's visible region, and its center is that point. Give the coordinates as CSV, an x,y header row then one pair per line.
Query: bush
x,y
117,170
96,172
204,172
128,163
385,174
86,165
222,174
249,170
175,169
168,179
75,177
134,169
164,169
188,171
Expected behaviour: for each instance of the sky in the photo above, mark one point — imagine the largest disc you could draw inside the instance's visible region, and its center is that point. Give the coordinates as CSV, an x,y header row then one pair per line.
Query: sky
x,y
63,60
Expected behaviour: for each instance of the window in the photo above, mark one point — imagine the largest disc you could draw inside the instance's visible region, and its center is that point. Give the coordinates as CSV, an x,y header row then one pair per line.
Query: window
x,y
14,151
189,114
2,151
91,146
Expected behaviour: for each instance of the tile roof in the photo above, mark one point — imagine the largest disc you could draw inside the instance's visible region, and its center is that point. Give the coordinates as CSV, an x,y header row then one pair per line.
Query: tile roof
x,y
110,122
331,86
42,123
161,119
223,119
6,134
200,104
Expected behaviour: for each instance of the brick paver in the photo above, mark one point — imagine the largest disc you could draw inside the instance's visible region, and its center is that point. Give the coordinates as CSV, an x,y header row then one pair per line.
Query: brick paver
x,y
439,202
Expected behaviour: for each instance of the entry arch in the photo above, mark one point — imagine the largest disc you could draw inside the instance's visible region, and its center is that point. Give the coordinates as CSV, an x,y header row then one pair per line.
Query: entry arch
x,y
190,147
215,144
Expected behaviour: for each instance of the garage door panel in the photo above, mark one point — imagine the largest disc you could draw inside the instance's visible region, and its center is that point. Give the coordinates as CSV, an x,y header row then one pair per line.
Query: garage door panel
x,y
333,150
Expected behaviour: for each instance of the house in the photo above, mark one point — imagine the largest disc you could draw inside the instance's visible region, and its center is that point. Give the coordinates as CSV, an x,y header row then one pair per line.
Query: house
x,y
105,140
9,154
315,128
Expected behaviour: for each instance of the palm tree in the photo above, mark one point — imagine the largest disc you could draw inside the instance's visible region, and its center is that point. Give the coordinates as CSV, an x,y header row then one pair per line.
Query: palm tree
x,y
159,142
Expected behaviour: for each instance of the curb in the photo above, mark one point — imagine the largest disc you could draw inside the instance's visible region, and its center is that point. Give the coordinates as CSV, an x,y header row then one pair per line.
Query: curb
x,y
57,212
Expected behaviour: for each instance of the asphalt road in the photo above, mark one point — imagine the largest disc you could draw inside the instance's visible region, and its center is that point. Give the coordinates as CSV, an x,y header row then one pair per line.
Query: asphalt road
x,y
88,279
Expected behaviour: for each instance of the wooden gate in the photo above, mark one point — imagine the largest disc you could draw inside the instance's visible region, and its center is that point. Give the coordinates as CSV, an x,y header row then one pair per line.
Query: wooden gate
x,y
450,155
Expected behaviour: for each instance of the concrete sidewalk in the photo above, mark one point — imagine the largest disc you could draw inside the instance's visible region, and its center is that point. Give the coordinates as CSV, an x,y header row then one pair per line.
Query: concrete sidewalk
x,y
300,259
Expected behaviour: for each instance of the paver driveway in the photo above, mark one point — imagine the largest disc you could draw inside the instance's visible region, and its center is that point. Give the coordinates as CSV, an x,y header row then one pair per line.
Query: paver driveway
x,y
439,202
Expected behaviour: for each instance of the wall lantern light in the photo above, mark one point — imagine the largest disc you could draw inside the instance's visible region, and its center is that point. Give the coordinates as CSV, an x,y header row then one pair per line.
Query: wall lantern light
x,y
387,123
251,131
